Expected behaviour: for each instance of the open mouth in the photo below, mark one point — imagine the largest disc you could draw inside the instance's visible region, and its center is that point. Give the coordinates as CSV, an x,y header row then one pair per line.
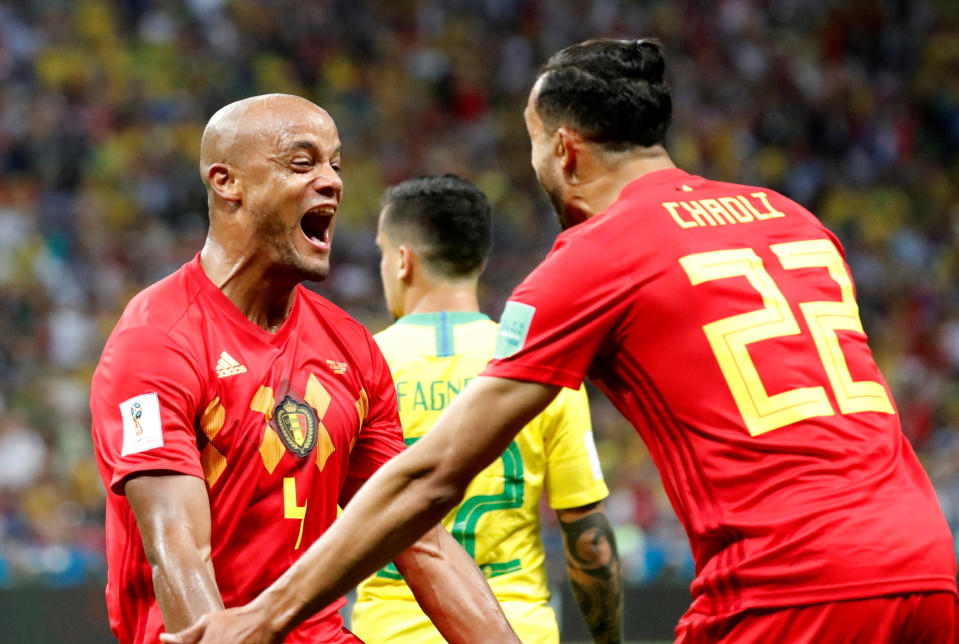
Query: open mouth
x,y
316,225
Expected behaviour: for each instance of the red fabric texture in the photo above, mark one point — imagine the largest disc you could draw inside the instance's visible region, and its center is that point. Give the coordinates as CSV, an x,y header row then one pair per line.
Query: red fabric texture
x,y
171,341
832,506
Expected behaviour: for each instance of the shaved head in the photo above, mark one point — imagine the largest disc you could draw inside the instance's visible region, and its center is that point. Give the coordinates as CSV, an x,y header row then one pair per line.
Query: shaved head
x,y
271,167
240,127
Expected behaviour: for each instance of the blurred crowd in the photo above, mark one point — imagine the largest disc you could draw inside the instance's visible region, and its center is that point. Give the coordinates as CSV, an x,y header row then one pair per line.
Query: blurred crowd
x,y
850,107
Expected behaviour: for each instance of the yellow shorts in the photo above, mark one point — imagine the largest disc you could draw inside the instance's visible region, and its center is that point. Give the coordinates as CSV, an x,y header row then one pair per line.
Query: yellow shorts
x,y
403,622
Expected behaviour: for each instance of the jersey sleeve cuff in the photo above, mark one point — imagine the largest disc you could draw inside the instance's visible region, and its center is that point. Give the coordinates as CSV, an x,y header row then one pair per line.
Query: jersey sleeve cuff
x,y
154,469
586,497
533,373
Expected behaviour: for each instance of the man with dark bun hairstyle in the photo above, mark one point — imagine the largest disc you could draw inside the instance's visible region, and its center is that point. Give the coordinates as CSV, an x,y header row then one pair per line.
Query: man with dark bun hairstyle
x,y
721,320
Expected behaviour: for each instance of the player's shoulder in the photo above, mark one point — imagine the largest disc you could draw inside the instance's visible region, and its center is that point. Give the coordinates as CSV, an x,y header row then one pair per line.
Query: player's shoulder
x,y
336,321
760,196
319,305
398,342
700,203
478,337
414,337
163,324
159,307
567,402
390,333
396,336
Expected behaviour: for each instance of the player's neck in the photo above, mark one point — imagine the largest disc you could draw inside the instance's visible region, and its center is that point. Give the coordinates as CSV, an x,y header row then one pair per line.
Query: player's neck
x,y
262,296
444,297
599,189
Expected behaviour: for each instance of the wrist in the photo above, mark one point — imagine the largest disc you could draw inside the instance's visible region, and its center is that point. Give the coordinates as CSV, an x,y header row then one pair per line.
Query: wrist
x,y
277,611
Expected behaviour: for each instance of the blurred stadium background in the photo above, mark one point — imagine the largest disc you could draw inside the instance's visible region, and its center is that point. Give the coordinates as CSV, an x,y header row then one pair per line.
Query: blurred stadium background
x,y
850,107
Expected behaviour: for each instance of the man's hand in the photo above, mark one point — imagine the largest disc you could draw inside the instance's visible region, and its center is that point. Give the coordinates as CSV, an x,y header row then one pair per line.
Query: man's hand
x,y
243,625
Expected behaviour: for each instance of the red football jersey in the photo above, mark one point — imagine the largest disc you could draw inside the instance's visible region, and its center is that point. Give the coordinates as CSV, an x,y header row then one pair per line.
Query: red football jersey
x,y
721,321
276,424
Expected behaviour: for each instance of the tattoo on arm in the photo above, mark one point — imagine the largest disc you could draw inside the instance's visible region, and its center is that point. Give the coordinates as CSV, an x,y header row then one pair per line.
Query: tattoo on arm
x,y
594,571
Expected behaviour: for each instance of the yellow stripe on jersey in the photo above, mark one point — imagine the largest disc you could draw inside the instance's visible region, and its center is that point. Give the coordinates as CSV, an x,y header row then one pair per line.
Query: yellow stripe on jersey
x,y
433,356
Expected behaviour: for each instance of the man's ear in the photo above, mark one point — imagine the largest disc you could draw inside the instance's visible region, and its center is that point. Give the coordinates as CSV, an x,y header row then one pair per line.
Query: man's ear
x,y
405,266
568,144
223,182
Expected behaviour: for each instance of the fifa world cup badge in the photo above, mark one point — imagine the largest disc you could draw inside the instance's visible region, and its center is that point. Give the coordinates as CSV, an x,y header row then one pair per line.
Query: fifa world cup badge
x,y
142,427
136,411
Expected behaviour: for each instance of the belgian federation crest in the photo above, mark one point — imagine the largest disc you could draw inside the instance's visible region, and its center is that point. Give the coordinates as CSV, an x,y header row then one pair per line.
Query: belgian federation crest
x,y
296,424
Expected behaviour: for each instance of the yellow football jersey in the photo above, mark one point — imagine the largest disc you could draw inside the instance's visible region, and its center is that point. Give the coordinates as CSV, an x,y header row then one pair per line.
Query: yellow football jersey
x,y
433,356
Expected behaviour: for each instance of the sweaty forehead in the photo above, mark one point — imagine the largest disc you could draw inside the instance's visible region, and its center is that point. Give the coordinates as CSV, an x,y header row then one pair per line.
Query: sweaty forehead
x,y
268,125
288,127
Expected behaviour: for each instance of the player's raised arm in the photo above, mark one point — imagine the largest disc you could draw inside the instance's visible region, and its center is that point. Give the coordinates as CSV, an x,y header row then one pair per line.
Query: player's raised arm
x,y
408,494
452,591
173,514
594,571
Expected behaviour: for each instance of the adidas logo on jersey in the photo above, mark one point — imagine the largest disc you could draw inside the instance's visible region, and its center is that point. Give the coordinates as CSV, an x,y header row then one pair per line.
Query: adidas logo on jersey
x,y
228,366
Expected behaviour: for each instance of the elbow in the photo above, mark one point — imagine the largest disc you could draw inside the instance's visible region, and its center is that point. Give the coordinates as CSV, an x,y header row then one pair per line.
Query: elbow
x,y
443,496
443,485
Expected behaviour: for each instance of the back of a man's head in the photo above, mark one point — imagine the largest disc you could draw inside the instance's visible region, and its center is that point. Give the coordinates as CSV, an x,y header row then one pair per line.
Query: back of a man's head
x,y
445,218
611,91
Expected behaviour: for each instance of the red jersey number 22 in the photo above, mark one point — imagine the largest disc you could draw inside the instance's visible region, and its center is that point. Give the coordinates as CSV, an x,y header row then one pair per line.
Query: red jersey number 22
x,y
730,336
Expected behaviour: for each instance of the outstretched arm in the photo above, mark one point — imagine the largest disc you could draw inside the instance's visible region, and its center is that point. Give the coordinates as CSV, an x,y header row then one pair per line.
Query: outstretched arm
x,y
594,571
173,513
452,591
411,492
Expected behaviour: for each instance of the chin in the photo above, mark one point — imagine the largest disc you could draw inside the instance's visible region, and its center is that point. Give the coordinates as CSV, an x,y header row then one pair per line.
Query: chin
x,y
311,271
316,274
556,199
567,219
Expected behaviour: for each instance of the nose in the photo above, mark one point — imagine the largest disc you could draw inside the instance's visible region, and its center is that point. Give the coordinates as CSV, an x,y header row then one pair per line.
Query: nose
x,y
328,182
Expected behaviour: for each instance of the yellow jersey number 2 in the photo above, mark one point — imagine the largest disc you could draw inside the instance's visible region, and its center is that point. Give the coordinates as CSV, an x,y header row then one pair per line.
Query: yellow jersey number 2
x,y
730,336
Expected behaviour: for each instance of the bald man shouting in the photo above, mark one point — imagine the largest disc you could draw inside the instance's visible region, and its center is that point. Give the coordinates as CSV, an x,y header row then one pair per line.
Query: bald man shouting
x,y
233,409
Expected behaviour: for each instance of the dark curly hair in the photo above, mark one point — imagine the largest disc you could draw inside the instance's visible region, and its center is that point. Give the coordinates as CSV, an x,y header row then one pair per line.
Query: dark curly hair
x,y
611,91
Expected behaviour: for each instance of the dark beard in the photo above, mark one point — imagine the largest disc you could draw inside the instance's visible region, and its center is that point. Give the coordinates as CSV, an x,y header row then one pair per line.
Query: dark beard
x,y
562,215
271,234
